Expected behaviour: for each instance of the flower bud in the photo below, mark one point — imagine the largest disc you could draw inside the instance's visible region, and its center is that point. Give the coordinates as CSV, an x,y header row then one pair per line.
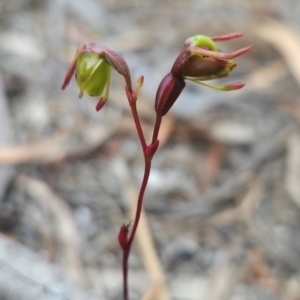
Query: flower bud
x,y
168,91
92,66
92,74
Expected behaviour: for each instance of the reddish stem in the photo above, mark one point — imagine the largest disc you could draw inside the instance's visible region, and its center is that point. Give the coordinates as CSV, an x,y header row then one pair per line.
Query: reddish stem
x,y
156,128
138,124
148,159
140,200
126,251
125,273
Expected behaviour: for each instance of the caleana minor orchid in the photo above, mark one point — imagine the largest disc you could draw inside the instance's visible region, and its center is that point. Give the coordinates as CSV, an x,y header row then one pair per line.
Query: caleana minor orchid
x,y
200,60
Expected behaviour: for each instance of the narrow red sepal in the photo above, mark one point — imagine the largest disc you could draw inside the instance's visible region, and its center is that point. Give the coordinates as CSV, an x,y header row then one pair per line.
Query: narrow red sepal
x,y
100,103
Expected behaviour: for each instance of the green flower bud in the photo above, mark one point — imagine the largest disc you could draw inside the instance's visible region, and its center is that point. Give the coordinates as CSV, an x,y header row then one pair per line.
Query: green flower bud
x,y
92,74
92,66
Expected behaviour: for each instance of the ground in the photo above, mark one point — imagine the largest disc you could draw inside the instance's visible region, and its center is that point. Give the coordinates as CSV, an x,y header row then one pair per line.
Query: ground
x,y
222,205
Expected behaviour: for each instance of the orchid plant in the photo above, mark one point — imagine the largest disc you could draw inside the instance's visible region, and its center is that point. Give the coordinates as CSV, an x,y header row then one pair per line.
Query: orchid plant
x,y
200,60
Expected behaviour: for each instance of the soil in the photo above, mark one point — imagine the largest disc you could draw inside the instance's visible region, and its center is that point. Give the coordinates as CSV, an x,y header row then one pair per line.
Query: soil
x,y
223,201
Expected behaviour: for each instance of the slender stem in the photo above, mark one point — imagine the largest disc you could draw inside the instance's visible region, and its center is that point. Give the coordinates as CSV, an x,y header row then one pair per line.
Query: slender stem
x,y
138,125
156,128
147,169
126,252
140,201
125,274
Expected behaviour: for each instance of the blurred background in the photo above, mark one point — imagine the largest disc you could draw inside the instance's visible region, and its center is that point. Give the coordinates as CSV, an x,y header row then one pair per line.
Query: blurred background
x,y
223,201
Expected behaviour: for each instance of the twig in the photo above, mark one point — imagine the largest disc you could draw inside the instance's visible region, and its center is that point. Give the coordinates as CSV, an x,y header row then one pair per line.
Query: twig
x,y
57,147
65,227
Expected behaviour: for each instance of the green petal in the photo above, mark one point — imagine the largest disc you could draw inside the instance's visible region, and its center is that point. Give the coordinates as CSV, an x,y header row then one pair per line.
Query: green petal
x,y
203,41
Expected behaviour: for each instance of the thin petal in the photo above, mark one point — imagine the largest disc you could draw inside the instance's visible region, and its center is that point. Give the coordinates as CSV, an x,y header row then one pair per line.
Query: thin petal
x,y
219,55
227,37
73,66
224,88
